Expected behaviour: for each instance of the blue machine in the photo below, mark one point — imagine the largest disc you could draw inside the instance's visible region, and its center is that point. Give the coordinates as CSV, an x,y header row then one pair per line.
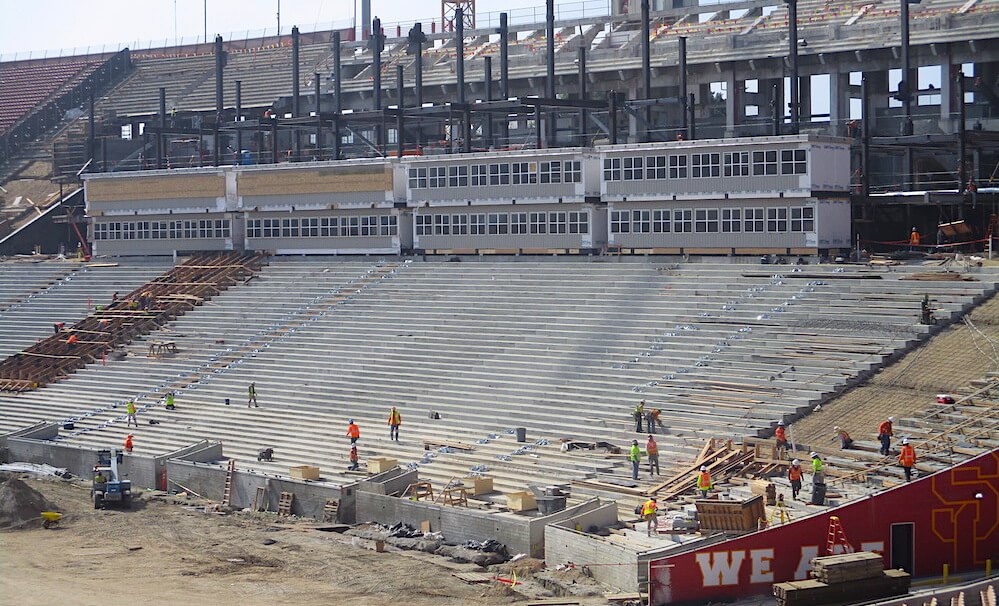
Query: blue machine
x,y
108,488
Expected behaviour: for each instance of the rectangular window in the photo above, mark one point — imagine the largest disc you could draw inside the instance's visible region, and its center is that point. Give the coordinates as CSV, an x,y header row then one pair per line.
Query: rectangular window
x,y
457,176
641,221
579,222
620,222
437,176
329,227
390,225
518,223
793,162
100,231
539,223
480,175
477,224
424,225
551,172
678,167
289,228
525,173
556,223
272,228
499,174
572,172
754,220
655,167
223,228
633,168
355,226
661,223
369,226
683,220
442,225
703,166
417,177
737,164
803,218
310,227
706,220
177,229
765,163
143,230
459,225
777,219
731,220
612,169
498,224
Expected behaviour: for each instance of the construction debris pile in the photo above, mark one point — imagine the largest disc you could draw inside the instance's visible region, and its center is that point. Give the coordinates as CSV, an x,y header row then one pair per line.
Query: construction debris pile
x,y
21,506
843,578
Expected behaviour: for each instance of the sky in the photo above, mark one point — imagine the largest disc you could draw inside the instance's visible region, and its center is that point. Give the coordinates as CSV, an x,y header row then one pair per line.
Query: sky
x,y
39,25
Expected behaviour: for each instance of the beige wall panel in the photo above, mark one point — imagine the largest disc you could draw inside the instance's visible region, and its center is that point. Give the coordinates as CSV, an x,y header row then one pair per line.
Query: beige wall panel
x,y
155,188
315,181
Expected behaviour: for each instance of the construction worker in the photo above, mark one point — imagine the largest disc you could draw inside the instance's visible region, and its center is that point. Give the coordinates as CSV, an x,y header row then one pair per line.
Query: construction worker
x,y
884,435
652,451
794,474
845,442
639,414
170,401
781,435
650,420
635,456
914,239
354,466
394,421
252,396
817,466
130,414
353,431
128,443
907,458
100,479
72,340
656,414
649,513
704,481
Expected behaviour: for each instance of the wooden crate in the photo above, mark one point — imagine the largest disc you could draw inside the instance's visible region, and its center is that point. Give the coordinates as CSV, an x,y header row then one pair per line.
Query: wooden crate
x,y
730,515
521,501
381,464
846,567
481,486
305,472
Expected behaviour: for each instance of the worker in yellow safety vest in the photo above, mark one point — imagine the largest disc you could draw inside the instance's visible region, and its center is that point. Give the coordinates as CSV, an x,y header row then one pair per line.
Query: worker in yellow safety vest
x,y
704,481
394,421
650,512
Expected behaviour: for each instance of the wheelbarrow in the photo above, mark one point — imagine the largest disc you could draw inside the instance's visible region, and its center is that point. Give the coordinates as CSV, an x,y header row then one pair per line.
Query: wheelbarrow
x,y
50,519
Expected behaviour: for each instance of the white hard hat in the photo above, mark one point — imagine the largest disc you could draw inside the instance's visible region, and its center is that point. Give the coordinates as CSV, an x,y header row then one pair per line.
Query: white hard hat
x,y
796,462
813,454
892,419
836,428
905,440
780,422
704,467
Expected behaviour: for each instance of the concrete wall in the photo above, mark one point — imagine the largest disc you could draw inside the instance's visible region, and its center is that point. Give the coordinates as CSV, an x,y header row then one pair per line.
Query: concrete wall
x,y
140,469
609,563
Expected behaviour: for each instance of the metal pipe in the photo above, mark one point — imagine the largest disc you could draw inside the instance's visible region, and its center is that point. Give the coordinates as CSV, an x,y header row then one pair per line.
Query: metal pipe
x,y
792,23
550,68
418,85
683,83
459,41
583,95
239,118
274,141
487,77
777,107
612,116
376,65
337,100
692,131
296,93
907,84
400,102
90,129
646,69
159,136
319,117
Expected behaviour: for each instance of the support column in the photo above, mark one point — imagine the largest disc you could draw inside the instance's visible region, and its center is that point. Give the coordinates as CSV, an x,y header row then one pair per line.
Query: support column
x,y
804,100
839,101
733,103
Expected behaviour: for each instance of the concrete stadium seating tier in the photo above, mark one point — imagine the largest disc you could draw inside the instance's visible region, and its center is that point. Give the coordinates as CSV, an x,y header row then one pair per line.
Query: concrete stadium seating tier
x,y
24,86
564,349
34,296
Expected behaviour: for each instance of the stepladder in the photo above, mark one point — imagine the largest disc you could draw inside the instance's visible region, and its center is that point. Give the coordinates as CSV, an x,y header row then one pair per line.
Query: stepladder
x,y
227,490
836,541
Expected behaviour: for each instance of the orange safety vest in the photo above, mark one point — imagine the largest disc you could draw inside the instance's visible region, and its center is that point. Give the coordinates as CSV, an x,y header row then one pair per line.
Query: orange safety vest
x,y
704,481
649,508
780,435
353,431
914,238
128,443
794,472
908,456
651,448
394,417
353,454
885,429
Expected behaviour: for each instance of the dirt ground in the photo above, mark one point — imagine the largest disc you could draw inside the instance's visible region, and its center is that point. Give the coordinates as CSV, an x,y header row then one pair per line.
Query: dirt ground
x,y
163,552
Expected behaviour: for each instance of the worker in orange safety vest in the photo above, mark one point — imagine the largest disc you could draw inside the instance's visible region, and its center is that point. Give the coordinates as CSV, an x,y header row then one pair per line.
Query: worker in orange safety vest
x,y
394,421
128,443
794,474
704,481
353,431
781,435
652,451
885,434
907,458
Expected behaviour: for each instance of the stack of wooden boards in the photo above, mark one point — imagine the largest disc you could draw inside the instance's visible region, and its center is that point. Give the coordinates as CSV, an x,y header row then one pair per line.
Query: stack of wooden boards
x,y
843,578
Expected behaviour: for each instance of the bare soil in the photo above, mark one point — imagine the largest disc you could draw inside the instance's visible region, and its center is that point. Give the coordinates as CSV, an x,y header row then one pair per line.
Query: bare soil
x,y
165,552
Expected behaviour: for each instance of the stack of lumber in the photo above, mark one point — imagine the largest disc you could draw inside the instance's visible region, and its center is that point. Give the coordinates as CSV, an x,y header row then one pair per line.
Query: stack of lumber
x,y
740,516
847,567
844,578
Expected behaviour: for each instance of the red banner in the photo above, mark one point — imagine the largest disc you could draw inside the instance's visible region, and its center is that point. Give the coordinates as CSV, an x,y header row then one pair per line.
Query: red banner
x,y
951,517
